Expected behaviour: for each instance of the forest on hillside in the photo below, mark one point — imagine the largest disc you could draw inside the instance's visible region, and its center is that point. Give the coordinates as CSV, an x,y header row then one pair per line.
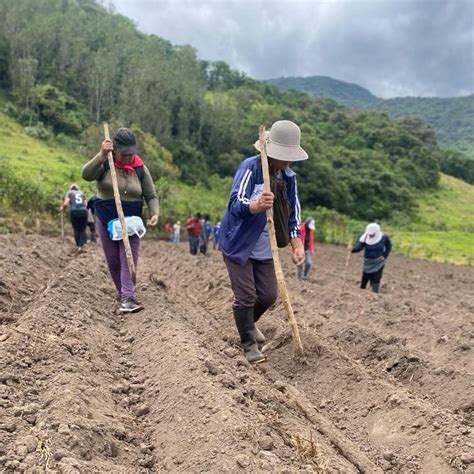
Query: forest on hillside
x,y
452,118
345,93
68,65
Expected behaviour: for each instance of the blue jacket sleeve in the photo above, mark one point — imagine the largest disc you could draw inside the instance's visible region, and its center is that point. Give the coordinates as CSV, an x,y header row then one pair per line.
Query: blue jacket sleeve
x,y
294,221
239,201
357,247
388,246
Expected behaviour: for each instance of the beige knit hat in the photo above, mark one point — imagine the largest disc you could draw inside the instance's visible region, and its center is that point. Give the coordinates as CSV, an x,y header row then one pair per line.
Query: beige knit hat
x,y
283,142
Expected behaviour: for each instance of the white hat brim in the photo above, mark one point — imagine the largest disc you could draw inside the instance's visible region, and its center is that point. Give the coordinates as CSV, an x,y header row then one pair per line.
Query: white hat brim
x,y
277,151
372,240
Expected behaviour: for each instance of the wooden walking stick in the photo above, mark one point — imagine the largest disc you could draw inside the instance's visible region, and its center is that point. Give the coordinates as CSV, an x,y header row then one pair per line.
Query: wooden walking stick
x,y
346,266
62,224
285,298
118,204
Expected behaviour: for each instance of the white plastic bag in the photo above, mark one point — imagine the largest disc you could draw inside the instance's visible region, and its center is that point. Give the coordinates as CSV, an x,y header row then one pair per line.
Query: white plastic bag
x,y
134,224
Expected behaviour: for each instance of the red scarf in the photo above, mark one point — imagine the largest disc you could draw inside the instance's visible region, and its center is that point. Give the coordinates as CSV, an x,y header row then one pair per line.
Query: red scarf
x,y
130,167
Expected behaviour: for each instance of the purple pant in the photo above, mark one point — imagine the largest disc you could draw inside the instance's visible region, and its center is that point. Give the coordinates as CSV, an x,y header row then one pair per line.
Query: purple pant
x,y
116,259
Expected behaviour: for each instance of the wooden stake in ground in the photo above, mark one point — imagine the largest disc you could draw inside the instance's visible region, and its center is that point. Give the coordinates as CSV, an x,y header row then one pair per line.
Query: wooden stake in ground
x,y
118,204
285,298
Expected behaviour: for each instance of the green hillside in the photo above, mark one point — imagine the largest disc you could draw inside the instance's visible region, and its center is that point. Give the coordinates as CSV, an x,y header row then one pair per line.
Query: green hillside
x,y
36,174
350,95
452,118
35,177
45,162
442,228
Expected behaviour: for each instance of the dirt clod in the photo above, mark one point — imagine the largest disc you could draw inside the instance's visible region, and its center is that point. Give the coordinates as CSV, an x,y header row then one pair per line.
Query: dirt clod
x,y
266,443
243,460
467,458
388,455
30,442
212,367
142,410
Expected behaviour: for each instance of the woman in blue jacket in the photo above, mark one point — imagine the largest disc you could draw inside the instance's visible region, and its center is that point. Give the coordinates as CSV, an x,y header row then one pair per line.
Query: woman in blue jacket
x,y
244,238
376,246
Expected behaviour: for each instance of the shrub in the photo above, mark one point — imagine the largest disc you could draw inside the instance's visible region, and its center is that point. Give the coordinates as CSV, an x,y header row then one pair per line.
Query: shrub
x,y
38,131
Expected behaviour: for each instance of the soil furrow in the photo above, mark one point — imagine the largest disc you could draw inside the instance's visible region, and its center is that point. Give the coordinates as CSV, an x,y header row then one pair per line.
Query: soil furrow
x,y
378,384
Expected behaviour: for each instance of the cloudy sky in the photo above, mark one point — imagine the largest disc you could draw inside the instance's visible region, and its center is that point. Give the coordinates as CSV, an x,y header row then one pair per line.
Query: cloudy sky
x,y
392,47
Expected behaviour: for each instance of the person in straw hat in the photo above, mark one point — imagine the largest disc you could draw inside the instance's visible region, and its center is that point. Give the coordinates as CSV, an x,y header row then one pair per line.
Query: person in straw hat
x,y
244,236
376,246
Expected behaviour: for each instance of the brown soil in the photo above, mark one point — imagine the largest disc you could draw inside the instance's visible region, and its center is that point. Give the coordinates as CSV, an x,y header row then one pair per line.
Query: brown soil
x,y
387,384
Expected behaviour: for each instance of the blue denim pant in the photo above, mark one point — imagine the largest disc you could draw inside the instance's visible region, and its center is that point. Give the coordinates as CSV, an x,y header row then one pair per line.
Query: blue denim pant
x,y
193,243
302,270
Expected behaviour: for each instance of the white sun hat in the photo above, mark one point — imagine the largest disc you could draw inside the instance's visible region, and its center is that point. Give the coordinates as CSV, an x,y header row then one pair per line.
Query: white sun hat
x,y
283,142
372,235
311,223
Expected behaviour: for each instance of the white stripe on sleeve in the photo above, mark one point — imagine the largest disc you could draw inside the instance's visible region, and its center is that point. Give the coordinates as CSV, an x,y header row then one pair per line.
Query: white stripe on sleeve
x,y
243,186
297,206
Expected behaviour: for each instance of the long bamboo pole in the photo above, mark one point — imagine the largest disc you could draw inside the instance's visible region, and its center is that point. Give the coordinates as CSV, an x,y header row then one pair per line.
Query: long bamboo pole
x,y
118,204
285,297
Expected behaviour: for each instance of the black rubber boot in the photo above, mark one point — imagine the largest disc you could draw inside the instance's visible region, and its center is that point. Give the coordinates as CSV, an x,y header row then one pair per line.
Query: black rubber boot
x,y
258,310
375,287
243,317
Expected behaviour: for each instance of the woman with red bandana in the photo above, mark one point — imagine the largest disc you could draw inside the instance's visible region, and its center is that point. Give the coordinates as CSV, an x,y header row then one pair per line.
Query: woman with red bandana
x,y
135,184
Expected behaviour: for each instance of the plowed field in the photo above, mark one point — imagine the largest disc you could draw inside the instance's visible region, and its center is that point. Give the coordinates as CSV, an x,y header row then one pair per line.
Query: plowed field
x,y
387,384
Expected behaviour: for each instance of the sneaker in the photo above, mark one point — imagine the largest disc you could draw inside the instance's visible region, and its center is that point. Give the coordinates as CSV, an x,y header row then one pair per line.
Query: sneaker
x,y
130,306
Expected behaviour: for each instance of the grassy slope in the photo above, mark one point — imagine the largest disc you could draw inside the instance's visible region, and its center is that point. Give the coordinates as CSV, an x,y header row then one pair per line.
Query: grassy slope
x,y
442,229
39,161
55,167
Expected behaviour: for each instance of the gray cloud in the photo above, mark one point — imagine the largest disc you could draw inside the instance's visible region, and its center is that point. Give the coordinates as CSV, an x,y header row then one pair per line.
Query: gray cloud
x,y
391,47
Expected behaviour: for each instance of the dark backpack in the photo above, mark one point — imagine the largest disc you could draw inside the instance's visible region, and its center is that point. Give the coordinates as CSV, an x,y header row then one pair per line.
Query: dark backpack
x,y
140,171
281,211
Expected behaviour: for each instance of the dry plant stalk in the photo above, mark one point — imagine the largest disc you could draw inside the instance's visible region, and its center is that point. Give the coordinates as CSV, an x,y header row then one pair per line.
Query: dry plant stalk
x,y
310,452
44,447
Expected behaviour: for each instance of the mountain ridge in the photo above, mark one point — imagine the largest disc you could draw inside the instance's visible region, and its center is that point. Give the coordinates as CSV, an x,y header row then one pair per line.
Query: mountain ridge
x,y
451,117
